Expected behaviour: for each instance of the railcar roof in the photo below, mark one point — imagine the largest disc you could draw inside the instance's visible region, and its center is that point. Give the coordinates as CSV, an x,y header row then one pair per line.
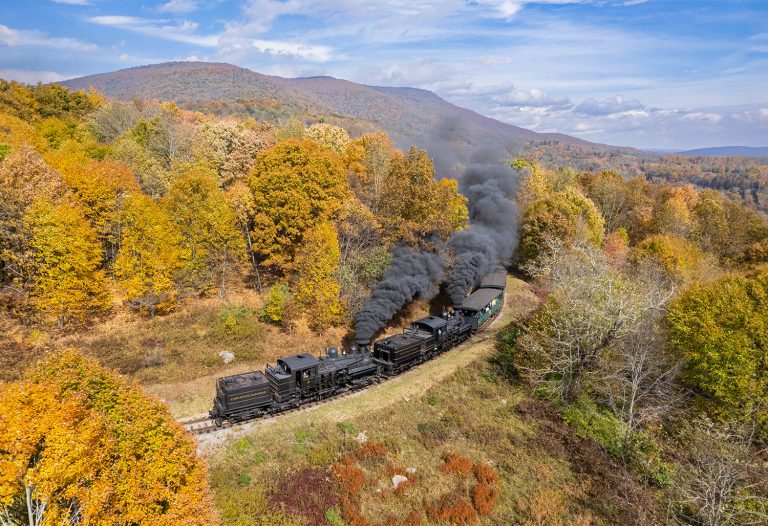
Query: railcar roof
x,y
239,381
479,299
298,362
494,280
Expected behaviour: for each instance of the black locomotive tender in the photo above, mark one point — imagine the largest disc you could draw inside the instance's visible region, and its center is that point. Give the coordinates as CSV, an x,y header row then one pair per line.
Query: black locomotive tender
x,y
303,378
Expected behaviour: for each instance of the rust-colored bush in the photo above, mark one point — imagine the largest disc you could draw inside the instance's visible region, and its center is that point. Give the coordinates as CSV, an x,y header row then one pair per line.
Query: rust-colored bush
x,y
348,459
485,474
351,478
455,463
415,518
403,487
371,450
351,512
484,497
452,508
390,470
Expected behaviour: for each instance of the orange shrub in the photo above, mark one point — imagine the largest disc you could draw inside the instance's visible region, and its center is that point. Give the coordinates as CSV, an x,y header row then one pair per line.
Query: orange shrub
x,y
371,450
351,513
485,474
452,508
455,463
415,518
484,497
351,478
348,459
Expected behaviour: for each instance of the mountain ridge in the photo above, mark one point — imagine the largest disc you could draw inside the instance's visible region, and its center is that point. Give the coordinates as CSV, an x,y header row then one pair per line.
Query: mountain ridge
x,y
408,115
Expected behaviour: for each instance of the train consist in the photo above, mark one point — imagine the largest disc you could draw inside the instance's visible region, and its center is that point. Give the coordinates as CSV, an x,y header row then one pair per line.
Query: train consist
x,y
302,378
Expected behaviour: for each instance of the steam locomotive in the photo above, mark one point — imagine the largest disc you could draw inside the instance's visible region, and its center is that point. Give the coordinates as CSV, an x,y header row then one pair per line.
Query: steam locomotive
x,y
302,378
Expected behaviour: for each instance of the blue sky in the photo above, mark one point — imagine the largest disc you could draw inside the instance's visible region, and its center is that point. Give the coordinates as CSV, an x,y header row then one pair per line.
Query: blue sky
x,y
651,74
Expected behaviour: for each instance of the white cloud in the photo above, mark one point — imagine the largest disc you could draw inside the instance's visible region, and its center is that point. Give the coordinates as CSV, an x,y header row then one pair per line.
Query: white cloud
x,y
507,9
283,48
32,76
609,106
180,32
72,2
12,37
178,6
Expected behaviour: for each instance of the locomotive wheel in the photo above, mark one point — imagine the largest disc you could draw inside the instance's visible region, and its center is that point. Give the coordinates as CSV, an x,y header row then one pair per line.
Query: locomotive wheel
x,y
217,421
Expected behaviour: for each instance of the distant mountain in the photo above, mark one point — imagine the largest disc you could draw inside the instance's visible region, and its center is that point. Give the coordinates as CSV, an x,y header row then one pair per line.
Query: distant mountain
x,y
409,115
729,151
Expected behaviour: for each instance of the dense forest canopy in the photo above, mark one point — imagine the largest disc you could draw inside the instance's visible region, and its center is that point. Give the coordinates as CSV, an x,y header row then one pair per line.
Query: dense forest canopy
x,y
647,337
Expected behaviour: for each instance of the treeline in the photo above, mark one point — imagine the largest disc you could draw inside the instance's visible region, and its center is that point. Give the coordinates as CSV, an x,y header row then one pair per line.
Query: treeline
x,y
742,179
143,204
652,335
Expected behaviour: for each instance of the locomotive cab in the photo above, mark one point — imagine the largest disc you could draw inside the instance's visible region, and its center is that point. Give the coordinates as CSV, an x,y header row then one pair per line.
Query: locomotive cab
x,y
294,378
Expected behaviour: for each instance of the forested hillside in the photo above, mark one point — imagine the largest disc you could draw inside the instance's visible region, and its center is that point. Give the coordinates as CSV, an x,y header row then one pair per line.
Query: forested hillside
x,y
627,385
408,115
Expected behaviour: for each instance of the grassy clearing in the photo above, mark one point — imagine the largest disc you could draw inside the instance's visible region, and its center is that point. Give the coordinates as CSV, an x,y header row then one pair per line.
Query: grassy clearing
x,y
547,475
439,426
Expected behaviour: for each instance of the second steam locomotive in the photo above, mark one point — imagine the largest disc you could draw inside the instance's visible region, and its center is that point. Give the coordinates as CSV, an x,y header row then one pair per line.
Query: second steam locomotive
x,y
301,378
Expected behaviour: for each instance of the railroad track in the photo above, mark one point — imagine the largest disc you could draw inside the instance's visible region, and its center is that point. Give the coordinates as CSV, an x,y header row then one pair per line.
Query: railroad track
x,y
204,425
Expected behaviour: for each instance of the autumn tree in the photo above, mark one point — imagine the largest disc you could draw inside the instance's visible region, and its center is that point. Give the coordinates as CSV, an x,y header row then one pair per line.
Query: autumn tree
x,y
370,158
68,282
24,177
567,216
82,445
295,185
680,258
149,257
721,330
408,199
208,228
332,137
234,147
100,186
317,290
590,308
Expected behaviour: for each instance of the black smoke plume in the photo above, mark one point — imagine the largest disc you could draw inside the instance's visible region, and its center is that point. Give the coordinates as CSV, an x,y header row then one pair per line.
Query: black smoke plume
x,y
489,184
412,274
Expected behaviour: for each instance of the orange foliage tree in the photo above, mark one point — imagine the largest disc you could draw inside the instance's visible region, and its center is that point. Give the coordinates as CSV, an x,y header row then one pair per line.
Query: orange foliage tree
x,y
296,185
82,445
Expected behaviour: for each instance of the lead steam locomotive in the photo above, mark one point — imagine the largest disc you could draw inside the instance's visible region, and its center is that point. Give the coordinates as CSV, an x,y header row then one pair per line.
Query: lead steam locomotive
x,y
303,378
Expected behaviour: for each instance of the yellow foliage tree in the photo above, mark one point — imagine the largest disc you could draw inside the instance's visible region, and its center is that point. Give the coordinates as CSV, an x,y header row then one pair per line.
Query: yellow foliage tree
x,y
100,186
150,255
295,185
681,259
24,177
68,282
369,159
208,227
81,445
317,290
